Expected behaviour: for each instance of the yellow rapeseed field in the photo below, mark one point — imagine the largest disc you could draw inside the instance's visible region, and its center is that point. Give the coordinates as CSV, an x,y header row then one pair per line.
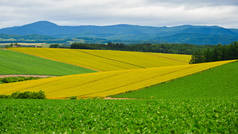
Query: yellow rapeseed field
x,y
102,84
107,60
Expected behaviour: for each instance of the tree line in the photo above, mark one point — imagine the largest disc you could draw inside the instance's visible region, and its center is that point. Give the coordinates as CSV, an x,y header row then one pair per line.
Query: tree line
x,y
200,53
218,53
160,48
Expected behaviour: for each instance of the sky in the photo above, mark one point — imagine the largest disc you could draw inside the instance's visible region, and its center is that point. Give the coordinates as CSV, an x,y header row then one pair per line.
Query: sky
x,y
109,12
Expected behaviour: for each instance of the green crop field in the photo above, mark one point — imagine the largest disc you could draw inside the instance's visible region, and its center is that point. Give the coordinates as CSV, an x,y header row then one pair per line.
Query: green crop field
x,y
221,81
18,63
119,116
204,102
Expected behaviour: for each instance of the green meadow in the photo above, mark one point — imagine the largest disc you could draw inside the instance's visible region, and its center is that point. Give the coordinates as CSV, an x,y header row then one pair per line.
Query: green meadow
x,y
18,63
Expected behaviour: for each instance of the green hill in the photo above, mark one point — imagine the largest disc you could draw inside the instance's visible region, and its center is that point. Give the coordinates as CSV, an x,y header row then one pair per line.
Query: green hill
x,y
221,81
17,63
44,31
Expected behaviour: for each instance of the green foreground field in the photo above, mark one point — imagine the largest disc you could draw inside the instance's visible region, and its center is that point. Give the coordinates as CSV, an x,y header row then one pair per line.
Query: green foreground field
x,y
17,63
221,81
119,116
205,102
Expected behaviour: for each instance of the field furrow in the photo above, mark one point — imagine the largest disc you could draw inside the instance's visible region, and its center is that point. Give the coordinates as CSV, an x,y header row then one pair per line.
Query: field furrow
x,y
102,84
130,82
107,60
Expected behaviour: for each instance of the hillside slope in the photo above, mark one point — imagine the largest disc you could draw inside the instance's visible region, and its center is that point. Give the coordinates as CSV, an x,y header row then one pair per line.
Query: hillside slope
x,y
102,84
107,60
128,33
221,81
18,63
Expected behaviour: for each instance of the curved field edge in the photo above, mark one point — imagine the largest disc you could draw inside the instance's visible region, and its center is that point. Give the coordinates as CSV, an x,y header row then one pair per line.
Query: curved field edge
x,y
102,84
221,81
16,63
107,60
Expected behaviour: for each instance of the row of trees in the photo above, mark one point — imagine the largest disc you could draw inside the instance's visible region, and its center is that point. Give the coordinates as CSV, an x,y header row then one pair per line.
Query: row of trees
x,y
218,53
200,53
160,48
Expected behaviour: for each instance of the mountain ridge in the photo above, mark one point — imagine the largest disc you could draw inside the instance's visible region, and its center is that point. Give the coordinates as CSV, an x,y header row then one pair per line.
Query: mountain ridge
x,y
189,34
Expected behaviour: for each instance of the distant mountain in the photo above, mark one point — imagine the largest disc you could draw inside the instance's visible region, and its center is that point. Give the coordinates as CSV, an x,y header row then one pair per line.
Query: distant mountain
x,y
127,33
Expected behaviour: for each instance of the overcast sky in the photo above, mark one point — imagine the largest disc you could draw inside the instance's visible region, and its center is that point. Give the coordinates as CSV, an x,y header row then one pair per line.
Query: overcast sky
x,y
108,12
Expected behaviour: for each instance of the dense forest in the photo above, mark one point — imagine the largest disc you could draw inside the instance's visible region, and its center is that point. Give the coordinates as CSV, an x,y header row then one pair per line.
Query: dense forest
x,y
160,48
218,53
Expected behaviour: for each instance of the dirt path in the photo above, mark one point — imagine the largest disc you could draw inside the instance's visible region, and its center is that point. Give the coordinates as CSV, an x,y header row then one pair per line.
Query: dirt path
x,y
39,76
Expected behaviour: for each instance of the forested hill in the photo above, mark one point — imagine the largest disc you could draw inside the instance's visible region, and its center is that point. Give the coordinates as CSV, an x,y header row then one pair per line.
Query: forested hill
x,y
124,33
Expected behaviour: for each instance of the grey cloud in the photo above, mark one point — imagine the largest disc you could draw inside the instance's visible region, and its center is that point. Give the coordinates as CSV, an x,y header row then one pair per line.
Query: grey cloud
x,y
196,2
107,12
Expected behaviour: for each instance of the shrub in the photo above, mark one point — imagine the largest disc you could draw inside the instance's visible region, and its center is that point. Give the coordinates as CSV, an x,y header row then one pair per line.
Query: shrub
x,y
16,79
28,95
54,46
4,96
73,98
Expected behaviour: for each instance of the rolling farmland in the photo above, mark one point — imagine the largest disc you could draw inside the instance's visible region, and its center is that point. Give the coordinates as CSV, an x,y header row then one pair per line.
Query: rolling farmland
x,y
168,94
102,84
18,63
221,81
107,60
119,67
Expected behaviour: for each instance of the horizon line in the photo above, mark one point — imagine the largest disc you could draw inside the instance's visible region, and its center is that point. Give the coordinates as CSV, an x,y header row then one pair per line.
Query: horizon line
x,y
208,25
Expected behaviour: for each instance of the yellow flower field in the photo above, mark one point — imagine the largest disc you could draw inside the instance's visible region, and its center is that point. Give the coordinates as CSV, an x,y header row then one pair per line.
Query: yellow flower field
x,y
107,60
102,84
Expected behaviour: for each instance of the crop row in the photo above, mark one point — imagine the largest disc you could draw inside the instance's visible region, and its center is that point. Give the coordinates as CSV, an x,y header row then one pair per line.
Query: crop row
x,y
103,84
220,81
110,116
107,60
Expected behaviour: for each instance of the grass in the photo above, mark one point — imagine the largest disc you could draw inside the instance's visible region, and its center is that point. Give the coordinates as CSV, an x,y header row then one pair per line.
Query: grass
x,y
121,116
221,81
102,84
18,63
107,60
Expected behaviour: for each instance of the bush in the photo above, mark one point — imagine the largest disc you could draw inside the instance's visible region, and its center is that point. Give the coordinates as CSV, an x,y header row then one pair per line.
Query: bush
x,y
16,79
73,98
28,95
9,80
54,46
4,96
